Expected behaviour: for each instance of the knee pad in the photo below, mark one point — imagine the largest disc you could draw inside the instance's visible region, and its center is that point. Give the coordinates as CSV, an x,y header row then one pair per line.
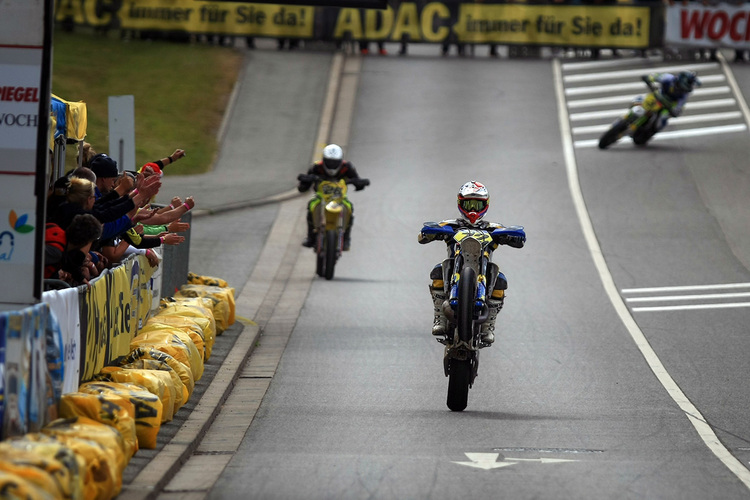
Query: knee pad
x,y
436,275
501,284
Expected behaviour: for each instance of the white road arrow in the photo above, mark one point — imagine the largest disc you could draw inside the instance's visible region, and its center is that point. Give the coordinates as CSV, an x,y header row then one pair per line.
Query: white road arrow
x,y
488,461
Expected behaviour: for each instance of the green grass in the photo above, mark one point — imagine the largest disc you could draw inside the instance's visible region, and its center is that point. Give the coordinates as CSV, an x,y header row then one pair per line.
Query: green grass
x,y
180,91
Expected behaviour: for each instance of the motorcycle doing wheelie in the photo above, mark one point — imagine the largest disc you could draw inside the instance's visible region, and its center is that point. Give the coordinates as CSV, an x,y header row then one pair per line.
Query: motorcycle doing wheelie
x,y
641,120
468,276
331,216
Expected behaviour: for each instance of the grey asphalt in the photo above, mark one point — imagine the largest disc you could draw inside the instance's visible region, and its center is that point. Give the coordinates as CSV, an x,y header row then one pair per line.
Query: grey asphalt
x,y
280,114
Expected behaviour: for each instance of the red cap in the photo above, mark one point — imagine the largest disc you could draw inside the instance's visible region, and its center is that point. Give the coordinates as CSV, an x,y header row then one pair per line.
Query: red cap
x,y
154,167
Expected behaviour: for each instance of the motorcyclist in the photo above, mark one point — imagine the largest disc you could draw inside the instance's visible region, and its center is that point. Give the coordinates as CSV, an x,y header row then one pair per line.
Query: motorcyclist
x,y
473,202
676,88
332,167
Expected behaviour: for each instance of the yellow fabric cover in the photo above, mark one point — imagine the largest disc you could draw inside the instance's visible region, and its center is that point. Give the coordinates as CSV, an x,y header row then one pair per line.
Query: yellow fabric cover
x,y
194,333
182,370
157,383
119,413
14,487
62,463
33,468
101,447
188,325
191,308
195,279
181,392
222,302
148,408
175,342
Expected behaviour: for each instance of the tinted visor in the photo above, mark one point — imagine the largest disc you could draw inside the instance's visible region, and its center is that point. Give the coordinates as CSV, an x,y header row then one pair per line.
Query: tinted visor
x,y
472,205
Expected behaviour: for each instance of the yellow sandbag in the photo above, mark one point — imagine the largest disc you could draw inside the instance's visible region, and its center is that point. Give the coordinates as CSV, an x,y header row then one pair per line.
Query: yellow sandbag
x,y
119,414
182,370
148,408
192,308
181,393
32,468
192,332
222,302
64,465
179,344
200,325
101,447
206,280
157,383
16,487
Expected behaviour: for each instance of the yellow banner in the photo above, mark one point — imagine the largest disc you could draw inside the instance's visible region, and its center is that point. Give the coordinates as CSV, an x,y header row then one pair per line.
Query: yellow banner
x,y
591,26
97,327
227,18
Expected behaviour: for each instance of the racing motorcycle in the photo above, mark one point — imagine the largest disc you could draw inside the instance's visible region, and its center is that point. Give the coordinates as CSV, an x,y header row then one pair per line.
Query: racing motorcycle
x,y
330,219
641,119
468,275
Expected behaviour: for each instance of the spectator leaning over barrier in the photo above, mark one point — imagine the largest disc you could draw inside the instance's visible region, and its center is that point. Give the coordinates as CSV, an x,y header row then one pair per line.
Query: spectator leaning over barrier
x,y
67,254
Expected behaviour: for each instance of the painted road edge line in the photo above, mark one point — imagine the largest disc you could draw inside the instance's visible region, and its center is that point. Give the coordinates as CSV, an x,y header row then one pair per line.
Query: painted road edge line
x,y
704,430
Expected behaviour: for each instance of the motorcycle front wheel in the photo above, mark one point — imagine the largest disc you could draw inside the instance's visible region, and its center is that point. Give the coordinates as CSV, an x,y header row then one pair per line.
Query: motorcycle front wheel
x,y
459,376
330,253
613,134
320,258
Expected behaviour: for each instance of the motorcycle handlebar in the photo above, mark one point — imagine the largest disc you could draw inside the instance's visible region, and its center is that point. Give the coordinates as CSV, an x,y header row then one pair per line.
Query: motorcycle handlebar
x,y
359,183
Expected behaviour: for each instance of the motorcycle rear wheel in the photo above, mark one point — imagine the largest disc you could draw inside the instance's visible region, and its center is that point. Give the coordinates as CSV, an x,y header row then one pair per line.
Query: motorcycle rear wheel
x,y
613,134
330,253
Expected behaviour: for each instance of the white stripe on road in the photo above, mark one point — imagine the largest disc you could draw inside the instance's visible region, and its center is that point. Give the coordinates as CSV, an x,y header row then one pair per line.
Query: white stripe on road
x,y
681,120
708,296
686,288
693,306
638,72
704,430
638,86
676,134
691,106
626,99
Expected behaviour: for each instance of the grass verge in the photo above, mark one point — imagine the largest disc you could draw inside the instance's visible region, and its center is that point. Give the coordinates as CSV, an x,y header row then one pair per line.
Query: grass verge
x,y
180,91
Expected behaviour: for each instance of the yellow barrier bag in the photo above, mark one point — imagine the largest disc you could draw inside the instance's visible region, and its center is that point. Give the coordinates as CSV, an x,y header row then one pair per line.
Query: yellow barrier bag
x,y
16,487
187,325
157,383
33,469
175,342
192,308
181,392
182,370
148,408
222,301
195,279
119,414
195,336
64,465
101,448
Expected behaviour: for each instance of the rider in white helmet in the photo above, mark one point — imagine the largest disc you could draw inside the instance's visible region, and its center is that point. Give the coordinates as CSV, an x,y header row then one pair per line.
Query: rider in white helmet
x,y
331,167
473,202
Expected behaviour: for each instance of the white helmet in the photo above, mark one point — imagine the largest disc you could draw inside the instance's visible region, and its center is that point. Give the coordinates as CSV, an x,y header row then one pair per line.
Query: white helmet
x,y
473,201
333,157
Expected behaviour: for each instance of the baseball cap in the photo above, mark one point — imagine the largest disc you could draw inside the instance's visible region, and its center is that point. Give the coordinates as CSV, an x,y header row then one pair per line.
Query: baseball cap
x,y
103,166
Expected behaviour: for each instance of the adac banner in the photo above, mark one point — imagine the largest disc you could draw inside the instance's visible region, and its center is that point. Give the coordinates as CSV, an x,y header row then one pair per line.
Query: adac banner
x,y
698,25
629,25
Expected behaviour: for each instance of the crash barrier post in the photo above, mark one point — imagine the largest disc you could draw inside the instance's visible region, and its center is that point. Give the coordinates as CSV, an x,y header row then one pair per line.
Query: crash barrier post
x,y
176,259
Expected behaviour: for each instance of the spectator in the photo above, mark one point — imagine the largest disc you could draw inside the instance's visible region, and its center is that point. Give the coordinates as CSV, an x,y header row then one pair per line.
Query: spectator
x,y
67,253
364,47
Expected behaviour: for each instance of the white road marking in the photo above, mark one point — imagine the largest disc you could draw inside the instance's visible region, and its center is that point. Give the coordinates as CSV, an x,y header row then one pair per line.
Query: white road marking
x,y
675,134
627,99
686,288
704,430
671,298
613,113
488,461
638,87
687,307
680,120
637,72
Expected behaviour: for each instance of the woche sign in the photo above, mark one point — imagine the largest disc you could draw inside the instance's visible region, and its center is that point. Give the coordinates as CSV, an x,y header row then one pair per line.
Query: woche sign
x,y
25,69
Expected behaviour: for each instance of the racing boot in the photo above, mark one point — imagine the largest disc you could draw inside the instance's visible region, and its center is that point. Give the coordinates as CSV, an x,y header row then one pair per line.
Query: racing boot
x,y
439,323
309,242
487,333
